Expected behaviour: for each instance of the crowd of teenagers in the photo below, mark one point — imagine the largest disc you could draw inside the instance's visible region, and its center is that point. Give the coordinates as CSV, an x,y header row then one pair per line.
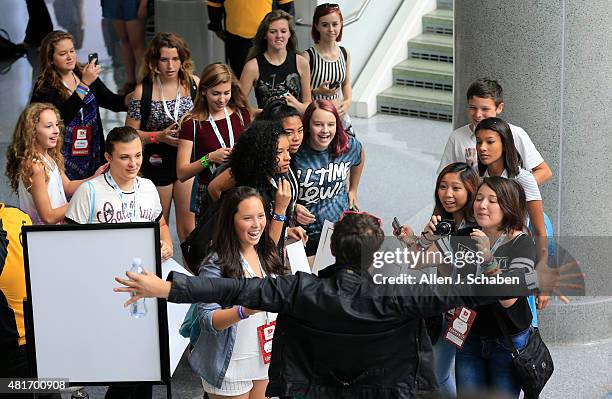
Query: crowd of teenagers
x,y
251,177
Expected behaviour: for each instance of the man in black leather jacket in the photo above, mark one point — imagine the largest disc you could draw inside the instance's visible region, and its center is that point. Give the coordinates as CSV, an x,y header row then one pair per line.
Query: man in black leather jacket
x,y
338,335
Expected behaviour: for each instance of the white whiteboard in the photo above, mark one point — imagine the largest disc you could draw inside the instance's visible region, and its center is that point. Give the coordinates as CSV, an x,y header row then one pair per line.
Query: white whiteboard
x,y
324,257
81,329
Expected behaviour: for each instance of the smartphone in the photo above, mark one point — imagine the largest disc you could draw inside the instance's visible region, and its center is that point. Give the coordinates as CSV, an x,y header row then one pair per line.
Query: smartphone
x,y
334,85
91,57
396,225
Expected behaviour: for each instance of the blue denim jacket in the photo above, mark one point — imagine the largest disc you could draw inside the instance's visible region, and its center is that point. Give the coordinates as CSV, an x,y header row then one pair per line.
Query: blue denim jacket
x,y
212,351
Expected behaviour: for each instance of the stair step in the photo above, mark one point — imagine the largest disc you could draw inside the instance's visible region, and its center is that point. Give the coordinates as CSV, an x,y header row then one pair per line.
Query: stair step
x,y
426,74
416,102
431,46
438,21
444,4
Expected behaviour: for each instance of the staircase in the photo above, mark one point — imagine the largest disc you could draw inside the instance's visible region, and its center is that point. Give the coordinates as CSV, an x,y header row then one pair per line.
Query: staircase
x,y
423,83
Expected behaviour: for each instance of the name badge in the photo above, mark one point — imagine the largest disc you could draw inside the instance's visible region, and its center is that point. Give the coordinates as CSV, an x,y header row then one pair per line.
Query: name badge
x,y
81,141
459,326
265,332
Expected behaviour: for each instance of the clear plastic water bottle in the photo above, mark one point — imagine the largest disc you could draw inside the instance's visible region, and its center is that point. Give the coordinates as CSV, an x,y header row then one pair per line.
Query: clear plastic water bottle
x,y
139,308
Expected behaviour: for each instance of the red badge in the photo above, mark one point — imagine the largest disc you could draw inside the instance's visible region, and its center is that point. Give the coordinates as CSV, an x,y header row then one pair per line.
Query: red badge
x,y
459,326
265,333
81,141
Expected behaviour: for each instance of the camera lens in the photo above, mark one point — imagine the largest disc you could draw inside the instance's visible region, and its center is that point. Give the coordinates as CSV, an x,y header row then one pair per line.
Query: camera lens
x,y
443,228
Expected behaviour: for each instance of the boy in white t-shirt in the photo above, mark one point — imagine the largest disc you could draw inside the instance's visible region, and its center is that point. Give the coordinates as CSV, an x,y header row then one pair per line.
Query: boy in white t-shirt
x,y
119,195
485,100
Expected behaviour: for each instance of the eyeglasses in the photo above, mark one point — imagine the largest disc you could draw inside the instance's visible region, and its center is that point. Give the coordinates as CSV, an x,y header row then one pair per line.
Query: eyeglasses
x,y
328,5
379,220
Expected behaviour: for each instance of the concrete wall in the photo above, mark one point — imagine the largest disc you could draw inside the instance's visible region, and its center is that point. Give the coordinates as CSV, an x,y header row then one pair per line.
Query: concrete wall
x,y
553,59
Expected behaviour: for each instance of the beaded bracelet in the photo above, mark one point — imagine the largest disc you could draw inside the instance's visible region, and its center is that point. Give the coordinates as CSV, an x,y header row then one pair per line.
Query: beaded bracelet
x,y
491,268
487,260
423,242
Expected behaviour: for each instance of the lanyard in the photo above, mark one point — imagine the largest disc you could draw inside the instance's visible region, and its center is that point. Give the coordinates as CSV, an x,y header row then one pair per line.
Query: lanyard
x,y
247,268
176,102
251,273
76,83
230,129
498,242
124,201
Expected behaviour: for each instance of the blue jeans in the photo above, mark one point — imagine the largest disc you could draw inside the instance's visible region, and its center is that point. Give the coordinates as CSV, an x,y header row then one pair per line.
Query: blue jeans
x,y
444,354
485,363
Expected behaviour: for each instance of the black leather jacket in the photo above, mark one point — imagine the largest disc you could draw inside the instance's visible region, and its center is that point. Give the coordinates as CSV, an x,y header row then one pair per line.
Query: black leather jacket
x,y
337,335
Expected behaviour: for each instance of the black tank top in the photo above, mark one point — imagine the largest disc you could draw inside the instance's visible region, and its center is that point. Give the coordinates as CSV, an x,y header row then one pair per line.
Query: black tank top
x,y
274,81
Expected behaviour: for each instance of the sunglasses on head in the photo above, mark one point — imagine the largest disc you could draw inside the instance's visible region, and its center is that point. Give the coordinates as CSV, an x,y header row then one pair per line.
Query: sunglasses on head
x,y
361,213
328,5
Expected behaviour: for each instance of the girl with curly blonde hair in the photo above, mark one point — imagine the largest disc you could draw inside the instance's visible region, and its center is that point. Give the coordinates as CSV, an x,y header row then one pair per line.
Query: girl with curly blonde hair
x,y
35,164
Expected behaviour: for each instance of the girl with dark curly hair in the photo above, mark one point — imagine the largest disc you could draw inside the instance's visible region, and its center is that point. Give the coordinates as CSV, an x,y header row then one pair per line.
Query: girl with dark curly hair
x,y
261,159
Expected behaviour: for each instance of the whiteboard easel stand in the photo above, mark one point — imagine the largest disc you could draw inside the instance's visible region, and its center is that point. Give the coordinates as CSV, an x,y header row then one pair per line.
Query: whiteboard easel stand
x,y
161,304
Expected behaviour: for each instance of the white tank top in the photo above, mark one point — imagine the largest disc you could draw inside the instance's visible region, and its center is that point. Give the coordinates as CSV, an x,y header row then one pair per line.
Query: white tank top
x,y
246,362
55,190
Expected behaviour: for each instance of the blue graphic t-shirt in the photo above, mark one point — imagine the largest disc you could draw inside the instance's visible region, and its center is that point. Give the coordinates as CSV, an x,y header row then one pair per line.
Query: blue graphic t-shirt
x,y
323,181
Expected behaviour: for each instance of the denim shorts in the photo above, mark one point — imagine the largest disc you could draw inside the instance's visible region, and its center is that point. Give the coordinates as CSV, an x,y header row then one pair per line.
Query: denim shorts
x,y
124,10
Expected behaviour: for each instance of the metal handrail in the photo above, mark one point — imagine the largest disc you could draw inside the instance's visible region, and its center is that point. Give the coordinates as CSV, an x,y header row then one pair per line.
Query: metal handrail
x,y
351,19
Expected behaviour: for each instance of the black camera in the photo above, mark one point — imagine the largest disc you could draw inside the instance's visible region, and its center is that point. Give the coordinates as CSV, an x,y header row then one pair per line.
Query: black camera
x,y
445,227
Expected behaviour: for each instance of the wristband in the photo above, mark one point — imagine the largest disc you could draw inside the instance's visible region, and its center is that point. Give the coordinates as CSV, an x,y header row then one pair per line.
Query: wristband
x,y
491,268
240,311
280,218
205,162
487,261
82,90
424,242
153,138
531,279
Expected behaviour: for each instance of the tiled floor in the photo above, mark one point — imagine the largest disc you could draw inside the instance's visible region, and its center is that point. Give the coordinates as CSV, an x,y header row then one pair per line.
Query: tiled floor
x,y
397,181
402,155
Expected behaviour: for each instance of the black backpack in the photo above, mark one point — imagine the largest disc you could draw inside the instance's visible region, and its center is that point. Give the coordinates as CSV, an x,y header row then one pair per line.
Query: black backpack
x,y
198,243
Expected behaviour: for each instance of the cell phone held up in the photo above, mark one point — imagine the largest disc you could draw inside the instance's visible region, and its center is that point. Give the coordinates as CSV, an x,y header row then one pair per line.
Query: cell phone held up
x,y
91,57
334,85
395,224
